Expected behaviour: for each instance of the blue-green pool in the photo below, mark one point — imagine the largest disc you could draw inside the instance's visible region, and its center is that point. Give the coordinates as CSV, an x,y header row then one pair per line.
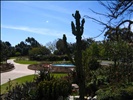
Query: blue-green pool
x,y
63,65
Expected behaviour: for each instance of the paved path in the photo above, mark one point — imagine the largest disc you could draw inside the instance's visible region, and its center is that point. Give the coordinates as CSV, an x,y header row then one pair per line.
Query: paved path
x,y
19,71
106,62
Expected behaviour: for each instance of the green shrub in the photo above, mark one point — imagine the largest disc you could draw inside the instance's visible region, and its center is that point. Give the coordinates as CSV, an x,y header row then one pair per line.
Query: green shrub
x,y
21,92
45,87
49,58
17,54
93,64
50,88
44,75
53,89
115,93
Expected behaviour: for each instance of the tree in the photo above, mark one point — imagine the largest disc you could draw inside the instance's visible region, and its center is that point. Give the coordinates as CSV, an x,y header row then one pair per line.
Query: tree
x,y
60,47
119,15
118,43
38,52
22,48
118,31
84,45
6,49
32,42
122,33
51,46
77,30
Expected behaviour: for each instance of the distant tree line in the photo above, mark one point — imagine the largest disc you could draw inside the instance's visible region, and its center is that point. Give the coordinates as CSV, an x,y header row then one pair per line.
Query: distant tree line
x,y
35,51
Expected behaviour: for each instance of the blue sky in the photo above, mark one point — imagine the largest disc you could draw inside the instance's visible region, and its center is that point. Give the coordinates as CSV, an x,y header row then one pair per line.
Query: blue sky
x,y
46,21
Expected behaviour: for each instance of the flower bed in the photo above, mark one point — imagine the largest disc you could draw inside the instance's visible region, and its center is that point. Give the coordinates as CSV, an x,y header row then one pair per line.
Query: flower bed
x,y
6,67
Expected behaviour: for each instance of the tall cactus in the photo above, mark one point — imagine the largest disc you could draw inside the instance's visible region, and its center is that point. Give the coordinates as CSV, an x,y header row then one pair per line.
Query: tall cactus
x,y
77,61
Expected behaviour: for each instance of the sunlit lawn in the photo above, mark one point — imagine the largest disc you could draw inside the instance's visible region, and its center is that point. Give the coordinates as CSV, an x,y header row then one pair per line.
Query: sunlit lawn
x,y
15,81
58,75
26,62
28,78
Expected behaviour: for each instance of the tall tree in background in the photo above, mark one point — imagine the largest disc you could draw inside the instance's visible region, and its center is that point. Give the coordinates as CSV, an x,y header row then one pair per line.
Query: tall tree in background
x,y
123,33
77,30
24,46
60,47
38,53
51,46
5,50
32,42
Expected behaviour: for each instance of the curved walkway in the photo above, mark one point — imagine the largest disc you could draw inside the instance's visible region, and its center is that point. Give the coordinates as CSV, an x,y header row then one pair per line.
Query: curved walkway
x,y
19,71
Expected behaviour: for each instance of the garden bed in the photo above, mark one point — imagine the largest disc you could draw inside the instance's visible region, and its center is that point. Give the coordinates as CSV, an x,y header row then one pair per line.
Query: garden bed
x,y
38,67
47,66
6,67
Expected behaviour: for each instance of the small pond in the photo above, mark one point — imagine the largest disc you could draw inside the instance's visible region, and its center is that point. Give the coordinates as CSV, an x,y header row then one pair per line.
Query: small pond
x,y
63,65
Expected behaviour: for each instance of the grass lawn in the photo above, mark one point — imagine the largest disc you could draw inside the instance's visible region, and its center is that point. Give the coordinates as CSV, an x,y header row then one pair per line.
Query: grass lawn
x,y
26,62
58,75
28,78
18,80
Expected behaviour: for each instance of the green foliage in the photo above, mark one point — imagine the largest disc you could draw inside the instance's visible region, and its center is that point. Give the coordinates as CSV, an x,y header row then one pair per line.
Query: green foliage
x,y
50,88
90,60
17,54
32,42
6,50
37,53
53,89
20,92
114,34
5,87
55,58
93,64
24,46
121,52
50,57
115,93
60,47
44,87
93,50
44,75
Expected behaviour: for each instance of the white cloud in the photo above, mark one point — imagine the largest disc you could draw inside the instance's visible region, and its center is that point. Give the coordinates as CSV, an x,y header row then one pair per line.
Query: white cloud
x,y
51,6
43,31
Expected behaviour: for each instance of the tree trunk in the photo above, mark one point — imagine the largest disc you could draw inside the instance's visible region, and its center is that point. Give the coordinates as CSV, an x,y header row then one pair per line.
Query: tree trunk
x,y
79,69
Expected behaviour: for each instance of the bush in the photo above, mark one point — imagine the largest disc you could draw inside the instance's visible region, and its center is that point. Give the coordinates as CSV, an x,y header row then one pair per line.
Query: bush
x,y
49,58
17,54
45,87
25,91
93,64
50,88
53,89
115,93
